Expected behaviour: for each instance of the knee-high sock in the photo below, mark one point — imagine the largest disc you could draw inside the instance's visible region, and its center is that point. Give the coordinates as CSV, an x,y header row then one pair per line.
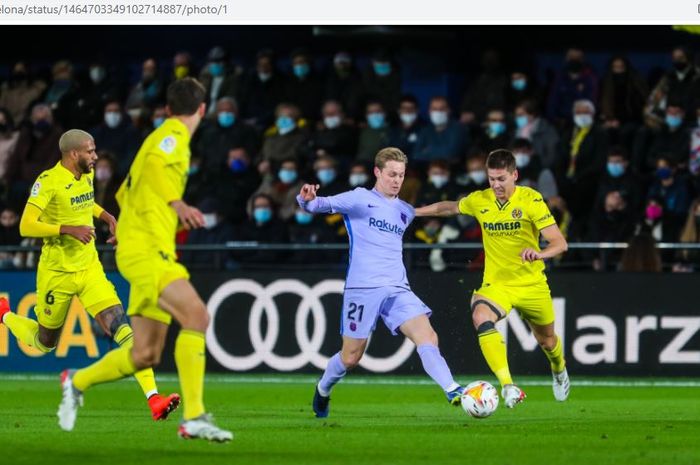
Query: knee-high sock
x,y
494,349
124,336
115,364
25,330
335,370
435,365
556,357
190,361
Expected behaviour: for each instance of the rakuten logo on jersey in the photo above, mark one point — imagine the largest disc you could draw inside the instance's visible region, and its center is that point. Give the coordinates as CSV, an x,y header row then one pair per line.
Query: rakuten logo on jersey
x,y
385,226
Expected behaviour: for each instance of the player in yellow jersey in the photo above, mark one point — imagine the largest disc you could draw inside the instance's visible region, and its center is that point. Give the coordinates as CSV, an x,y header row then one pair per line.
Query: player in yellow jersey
x,y
512,219
151,207
60,209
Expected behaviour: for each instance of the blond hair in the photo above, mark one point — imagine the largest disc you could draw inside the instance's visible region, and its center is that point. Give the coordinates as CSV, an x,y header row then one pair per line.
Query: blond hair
x,y
73,139
389,154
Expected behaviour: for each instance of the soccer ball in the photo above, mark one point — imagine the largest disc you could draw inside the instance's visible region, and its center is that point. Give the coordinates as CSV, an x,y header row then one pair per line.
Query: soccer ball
x,y
480,399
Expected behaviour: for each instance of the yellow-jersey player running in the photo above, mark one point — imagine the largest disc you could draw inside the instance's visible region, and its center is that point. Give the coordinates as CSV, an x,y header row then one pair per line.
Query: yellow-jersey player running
x,y
512,219
60,209
151,207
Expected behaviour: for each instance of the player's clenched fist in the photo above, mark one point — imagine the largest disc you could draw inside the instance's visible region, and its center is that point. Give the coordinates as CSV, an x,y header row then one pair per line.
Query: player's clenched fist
x,y
529,255
83,233
308,192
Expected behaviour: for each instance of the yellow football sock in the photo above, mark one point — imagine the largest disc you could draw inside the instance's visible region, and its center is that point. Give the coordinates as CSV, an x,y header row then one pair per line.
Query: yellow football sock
x,y
116,364
556,357
26,330
494,349
124,336
190,360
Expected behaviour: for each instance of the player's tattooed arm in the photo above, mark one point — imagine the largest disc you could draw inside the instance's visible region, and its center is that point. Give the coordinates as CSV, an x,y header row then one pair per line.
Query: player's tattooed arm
x,y
446,208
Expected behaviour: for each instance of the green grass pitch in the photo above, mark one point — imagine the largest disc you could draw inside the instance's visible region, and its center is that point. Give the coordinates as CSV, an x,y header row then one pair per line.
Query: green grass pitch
x,y
374,420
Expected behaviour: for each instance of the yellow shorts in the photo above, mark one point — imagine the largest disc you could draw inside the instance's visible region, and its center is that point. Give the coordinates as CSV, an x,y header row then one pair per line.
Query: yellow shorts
x,y
534,302
56,289
148,273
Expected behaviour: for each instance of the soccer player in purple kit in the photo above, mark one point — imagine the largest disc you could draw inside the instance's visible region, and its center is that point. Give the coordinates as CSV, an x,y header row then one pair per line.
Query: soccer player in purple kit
x,y
376,284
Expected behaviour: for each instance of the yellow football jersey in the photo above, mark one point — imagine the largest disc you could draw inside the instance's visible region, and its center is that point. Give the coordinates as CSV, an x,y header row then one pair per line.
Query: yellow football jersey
x,y
508,229
65,200
146,221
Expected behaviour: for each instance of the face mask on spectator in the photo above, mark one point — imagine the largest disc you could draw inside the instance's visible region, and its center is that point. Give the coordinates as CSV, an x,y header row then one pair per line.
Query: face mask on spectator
x,y
375,120
496,128
287,176
303,217
382,68
583,120
210,220
673,121
331,122
519,84
408,118
285,125
97,74
479,177
264,77
325,175
226,119
113,118
262,214
238,166
616,169
42,127
301,70
182,71
654,212
192,170
521,121
103,174
439,118
358,179
216,69
438,180
521,159
157,122
680,65
663,173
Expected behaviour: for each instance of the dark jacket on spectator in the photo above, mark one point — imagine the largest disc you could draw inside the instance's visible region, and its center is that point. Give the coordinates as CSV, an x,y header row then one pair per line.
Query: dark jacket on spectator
x,y
123,141
211,144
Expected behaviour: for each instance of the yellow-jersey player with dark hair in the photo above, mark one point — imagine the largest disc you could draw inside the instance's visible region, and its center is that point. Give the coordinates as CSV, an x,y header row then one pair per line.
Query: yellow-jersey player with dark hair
x,y
151,210
512,219
60,209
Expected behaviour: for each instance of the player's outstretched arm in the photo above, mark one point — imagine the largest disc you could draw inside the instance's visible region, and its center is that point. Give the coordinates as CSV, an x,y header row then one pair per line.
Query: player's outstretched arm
x,y
308,192
446,208
556,244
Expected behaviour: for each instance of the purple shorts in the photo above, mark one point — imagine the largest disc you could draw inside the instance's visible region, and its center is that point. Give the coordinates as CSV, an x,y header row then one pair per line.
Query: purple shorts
x,y
363,307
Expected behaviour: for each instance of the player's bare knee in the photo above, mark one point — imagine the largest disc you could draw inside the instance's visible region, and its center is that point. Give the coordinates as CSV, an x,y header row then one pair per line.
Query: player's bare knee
x,y
48,339
351,359
547,342
481,315
146,357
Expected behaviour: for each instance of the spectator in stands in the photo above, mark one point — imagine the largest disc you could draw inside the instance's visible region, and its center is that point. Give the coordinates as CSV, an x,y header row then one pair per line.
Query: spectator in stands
x,y
334,136
375,135
383,81
263,227
182,66
622,96
118,135
494,132
307,228
303,87
261,91
344,84
147,93
64,96
530,125
673,191
531,173
360,176
153,119
285,140
326,169
106,183
641,255
405,134
36,151
583,154
8,140
103,85
236,182
611,222
439,185
653,223
219,134
20,91
444,138
488,91
283,187
523,87
9,236
620,178
219,77
672,139
426,231
679,84
689,259
474,178
216,230
576,81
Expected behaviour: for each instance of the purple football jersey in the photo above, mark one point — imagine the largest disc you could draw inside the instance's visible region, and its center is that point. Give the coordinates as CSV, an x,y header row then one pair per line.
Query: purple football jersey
x,y
375,227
